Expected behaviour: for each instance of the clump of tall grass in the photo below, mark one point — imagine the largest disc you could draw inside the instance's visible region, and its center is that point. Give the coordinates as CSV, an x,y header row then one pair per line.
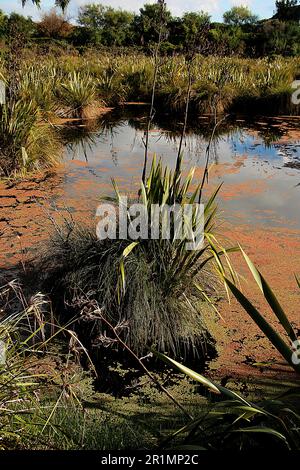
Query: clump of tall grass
x,y
20,327
39,85
27,143
40,380
110,87
76,94
155,290
138,78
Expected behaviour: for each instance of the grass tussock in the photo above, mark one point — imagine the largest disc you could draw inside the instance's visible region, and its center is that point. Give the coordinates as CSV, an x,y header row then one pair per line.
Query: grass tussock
x,y
27,143
153,291
76,94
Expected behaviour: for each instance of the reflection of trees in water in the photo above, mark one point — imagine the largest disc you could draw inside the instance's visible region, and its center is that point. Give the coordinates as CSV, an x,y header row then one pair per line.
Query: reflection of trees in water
x,y
79,140
196,138
293,165
269,136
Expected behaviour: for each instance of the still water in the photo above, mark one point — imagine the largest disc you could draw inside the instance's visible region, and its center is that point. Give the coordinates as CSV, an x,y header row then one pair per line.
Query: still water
x,y
258,162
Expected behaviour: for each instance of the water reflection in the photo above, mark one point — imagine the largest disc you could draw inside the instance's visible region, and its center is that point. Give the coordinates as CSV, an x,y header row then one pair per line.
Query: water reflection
x,y
246,135
258,161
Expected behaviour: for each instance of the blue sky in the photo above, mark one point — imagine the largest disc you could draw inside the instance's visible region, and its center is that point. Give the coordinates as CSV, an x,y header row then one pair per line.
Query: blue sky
x,y
216,8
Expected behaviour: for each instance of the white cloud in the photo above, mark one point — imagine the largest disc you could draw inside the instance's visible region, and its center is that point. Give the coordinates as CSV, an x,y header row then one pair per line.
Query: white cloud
x,y
211,6
177,6
244,3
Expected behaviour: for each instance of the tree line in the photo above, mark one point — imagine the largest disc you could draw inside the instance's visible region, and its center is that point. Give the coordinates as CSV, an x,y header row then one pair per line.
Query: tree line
x,y
241,31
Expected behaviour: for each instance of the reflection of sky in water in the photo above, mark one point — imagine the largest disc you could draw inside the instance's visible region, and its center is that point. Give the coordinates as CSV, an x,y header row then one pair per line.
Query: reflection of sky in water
x,y
253,147
261,187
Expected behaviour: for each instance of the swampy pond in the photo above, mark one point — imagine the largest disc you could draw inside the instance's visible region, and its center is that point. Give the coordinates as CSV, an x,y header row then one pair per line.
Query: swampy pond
x,y
258,161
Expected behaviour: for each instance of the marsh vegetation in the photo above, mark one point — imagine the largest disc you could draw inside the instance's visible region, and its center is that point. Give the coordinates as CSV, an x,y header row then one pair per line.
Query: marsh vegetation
x,y
94,332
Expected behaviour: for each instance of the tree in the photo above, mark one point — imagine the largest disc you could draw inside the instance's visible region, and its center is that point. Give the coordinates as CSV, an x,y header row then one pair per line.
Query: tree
x,y
106,25
239,16
287,10
54,26
91,16
117,28
18,25
190,27
228,40
147,23
279,37
59,3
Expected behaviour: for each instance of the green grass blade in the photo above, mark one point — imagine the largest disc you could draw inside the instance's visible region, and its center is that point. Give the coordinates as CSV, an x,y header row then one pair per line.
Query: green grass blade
x,y
129,249
271,298
190,373
262,430
212,386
